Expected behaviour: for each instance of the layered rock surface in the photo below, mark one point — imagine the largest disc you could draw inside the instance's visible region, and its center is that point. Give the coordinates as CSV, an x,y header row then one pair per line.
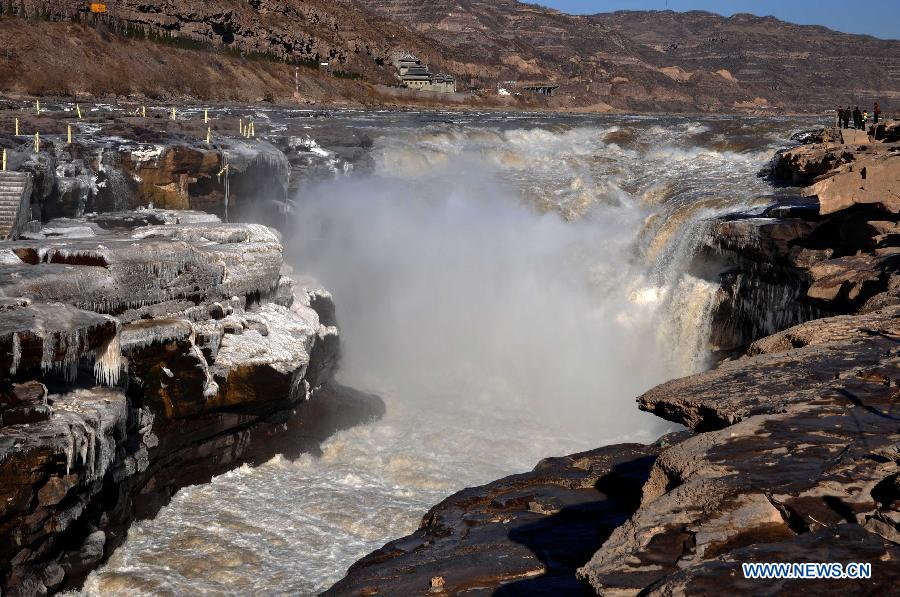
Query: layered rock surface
x,y
795,442
826,252
141,352
525,534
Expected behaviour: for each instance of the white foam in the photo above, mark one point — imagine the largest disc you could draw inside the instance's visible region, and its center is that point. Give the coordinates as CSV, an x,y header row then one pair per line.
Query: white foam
x,y
497,335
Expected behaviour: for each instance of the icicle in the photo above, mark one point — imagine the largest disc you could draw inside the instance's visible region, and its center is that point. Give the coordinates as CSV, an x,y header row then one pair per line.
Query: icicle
x,y
16,353
108,362
48,350
70,452
210,389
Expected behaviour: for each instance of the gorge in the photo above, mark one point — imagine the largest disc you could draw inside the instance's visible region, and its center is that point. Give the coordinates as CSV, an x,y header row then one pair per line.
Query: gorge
x,y
506,284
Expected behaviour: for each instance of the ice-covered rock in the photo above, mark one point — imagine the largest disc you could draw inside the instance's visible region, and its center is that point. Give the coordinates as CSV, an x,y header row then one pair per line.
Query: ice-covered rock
x,y
53,337
174,348
101,173
112,272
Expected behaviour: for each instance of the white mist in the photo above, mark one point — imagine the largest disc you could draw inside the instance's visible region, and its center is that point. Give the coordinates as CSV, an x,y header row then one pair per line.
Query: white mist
x,y
455,296
497,334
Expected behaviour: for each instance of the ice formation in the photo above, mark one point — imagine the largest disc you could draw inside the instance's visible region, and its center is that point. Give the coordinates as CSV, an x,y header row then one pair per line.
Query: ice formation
x,y
108,362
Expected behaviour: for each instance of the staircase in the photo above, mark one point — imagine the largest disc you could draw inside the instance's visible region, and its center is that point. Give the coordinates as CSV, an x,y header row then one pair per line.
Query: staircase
x,y
15,203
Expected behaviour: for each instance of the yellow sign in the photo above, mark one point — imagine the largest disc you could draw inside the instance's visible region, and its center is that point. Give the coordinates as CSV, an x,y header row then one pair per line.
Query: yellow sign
x,y
98,7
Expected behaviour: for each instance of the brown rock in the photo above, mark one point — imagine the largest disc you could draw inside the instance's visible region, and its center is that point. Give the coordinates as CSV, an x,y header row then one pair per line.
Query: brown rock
x,y
802,463
524,534
848,282
870,180
844,543
73,479
805,163
829,330
55,489
772,381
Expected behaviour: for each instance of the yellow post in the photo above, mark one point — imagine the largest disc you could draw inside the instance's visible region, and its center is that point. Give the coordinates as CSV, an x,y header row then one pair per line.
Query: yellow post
x,y
208,135
143,111
173,113
17,127
205,116
252,129
37,106
4,159
78,110
37,142
69,132
241,125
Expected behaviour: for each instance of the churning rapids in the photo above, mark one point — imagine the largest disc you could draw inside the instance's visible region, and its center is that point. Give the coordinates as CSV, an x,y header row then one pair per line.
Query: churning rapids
x,y
508,284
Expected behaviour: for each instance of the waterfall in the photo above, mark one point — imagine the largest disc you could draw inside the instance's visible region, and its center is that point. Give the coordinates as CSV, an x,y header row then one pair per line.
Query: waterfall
x,y
508,284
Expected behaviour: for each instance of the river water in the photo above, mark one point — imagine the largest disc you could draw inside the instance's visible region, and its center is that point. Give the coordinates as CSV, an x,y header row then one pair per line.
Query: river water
x,y
508,284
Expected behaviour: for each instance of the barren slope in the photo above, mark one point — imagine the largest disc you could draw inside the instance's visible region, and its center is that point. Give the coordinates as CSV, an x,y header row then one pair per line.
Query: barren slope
x,y
627,60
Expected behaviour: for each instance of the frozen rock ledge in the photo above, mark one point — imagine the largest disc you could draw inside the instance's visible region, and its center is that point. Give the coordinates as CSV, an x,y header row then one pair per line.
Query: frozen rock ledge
x,y
141,352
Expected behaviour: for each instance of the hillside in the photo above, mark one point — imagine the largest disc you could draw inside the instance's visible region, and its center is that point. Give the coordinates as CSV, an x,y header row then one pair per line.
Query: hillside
x,y
657,60
803,67
643,61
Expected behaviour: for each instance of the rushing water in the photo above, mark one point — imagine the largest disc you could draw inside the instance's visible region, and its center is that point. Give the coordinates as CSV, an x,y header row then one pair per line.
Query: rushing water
x,y
508,284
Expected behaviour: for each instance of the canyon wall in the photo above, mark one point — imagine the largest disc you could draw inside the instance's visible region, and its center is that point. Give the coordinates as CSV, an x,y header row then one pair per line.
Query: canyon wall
x,y
141,352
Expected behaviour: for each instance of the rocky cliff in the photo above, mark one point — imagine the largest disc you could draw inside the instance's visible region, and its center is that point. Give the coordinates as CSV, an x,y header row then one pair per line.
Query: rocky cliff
x,y
792,448
121,160
141,352
655,60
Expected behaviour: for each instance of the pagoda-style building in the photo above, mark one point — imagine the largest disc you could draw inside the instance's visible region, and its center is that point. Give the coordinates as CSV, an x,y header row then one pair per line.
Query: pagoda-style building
x,y
414,74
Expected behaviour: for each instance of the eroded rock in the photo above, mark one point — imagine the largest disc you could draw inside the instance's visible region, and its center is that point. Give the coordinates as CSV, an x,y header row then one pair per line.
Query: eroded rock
x,y
795,440
525,534
870,179
145,351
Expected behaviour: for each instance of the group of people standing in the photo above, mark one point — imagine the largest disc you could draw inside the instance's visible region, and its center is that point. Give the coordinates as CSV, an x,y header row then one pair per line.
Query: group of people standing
x,y
860,119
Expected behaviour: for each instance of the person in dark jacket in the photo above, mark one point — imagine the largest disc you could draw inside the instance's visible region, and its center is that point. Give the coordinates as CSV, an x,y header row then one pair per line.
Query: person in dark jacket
x,y
840,116
847,118
857,118
876,113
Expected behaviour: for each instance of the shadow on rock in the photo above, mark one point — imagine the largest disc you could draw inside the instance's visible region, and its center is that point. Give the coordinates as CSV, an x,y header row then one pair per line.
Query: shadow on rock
x,y
565,541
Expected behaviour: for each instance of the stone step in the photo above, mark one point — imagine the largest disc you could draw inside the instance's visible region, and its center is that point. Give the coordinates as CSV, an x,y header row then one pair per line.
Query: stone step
x,y
13,186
